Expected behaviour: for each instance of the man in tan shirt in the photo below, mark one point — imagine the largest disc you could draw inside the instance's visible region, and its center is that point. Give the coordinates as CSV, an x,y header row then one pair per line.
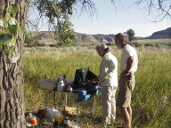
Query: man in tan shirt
x,y
108,80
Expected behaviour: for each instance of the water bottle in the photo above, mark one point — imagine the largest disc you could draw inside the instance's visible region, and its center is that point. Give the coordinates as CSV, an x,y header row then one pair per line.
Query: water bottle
x,y
61,85
69,88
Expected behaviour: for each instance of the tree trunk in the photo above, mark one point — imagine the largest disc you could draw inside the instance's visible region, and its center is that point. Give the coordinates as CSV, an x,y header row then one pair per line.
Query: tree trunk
x,y
11,76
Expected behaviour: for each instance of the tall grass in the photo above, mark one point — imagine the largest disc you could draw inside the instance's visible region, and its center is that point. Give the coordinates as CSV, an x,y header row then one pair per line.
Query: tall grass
x,y
151,98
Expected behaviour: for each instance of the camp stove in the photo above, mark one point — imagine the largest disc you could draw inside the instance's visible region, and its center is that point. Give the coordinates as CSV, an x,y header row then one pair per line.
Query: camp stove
x,y
84,79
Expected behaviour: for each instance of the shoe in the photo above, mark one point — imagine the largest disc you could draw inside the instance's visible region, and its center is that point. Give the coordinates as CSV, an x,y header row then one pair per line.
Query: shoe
x,y
120,126
108,126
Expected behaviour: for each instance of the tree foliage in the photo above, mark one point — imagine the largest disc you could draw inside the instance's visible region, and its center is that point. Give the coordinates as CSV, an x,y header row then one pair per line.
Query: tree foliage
x,y
10,29
66,33
29,39
130,34
58,13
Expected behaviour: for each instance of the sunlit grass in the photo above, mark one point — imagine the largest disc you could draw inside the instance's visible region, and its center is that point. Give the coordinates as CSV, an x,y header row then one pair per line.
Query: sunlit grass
x,y
144,41
151,98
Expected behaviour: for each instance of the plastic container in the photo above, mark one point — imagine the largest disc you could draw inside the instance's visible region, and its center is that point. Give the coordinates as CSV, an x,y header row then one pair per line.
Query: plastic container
x,y
51,113
59,117
34,121
31,120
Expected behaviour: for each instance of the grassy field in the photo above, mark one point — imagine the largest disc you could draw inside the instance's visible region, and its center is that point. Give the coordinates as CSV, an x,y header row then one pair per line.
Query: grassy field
x,y
145,41
151,98
159,43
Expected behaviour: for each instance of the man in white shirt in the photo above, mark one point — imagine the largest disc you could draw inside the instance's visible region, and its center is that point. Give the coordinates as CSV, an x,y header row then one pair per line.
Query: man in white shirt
x,y
108,80
129,64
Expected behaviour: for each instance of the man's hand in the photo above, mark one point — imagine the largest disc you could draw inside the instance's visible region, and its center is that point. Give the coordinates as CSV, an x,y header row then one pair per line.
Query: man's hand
x,y
125,73
95,81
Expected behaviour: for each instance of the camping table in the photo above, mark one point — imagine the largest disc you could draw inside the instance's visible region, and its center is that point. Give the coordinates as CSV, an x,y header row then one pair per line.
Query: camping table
x,y
66,100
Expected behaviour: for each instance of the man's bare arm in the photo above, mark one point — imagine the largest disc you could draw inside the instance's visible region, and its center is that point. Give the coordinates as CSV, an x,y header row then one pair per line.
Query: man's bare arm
x,y
128,66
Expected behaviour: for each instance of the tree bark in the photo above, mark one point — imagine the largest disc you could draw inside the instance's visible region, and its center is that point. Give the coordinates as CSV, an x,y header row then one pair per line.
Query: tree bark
x,y
11,76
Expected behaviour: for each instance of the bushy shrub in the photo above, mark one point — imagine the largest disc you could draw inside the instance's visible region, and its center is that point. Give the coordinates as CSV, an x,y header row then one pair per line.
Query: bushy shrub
x,y
37,43
149,44
169,44
29,39
136,44
52,45
110,44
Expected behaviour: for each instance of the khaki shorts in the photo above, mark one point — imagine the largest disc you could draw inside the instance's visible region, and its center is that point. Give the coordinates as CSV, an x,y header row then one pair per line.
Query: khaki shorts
x,y
126,86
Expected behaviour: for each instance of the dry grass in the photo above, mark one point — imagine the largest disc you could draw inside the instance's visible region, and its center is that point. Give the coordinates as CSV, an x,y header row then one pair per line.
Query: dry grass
x,y
152,84
145,41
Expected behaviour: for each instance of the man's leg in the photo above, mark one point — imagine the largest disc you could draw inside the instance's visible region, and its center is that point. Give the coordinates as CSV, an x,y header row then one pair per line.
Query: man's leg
x,y
129,109
113,105
106,98
126,116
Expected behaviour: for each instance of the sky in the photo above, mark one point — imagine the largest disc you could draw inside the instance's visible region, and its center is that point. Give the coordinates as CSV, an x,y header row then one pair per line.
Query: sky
x,y
109,19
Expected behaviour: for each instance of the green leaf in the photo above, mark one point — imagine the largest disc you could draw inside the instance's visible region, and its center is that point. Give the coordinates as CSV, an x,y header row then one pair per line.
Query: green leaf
x,y
12,21
1,22
13,9
1,46
1,12
12,42
5,38
21,31
10,51
5,27
13,29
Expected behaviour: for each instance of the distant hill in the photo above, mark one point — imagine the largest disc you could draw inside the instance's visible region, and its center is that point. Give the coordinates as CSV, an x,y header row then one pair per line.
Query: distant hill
x,y
104,38
50,36
98,38
84,38
163,34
